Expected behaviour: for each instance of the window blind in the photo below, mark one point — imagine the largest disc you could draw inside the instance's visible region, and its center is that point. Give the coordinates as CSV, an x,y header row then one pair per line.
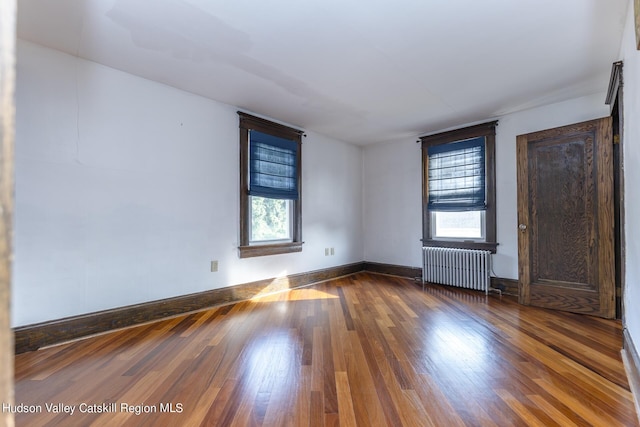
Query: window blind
x,y
456,176
273,166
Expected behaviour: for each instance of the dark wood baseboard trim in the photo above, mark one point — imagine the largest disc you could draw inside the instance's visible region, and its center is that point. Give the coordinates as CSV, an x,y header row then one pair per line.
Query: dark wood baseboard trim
x,y
32,337
507,286
632,364
393,270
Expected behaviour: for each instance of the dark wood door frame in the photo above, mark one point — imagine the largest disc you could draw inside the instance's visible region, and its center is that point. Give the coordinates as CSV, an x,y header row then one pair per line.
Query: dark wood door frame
x,y
7,131
615,101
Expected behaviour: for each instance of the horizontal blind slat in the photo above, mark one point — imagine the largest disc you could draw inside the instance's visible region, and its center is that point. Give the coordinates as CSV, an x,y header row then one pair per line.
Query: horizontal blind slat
x,y
456,176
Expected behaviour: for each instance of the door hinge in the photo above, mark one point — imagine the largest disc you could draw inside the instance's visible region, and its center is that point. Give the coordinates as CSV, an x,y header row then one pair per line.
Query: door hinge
x,y
616,139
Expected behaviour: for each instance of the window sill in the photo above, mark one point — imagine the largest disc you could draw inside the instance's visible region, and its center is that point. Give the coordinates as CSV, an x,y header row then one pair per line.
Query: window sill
x,y
270,249
485,246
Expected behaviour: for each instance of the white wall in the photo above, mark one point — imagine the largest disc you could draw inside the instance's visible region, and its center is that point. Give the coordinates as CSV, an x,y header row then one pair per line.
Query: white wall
x,y
631,146
392,198
126,189
393,185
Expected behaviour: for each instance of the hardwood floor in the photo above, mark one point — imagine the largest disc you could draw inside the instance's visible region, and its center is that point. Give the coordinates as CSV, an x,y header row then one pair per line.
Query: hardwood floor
x,y
366,350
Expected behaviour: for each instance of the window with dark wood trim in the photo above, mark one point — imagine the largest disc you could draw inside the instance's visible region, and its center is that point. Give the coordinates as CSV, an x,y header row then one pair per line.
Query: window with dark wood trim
x,y
280,138
457,138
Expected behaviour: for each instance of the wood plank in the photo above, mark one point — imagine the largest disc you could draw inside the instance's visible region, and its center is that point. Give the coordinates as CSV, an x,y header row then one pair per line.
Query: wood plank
x,y
445,356
606,220
345,402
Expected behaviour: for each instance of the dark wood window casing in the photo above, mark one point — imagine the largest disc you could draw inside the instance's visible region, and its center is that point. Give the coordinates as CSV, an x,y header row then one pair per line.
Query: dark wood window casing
x,y
249,122
488,130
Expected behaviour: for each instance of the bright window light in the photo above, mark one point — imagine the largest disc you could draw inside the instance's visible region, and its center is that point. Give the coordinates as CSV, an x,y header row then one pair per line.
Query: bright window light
x,y
270,219
458,225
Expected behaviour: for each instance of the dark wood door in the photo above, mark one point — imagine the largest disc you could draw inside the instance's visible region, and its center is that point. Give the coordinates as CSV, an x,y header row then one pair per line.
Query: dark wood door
x,y
566,219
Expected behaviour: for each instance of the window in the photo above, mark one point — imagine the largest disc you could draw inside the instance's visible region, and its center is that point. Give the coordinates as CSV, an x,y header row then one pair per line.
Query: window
x,y
270,202
468,225
270,220
459,188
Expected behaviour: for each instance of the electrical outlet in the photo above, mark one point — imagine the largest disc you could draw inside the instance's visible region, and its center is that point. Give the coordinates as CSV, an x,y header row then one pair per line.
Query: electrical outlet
x,y
214,266
326,251
333,252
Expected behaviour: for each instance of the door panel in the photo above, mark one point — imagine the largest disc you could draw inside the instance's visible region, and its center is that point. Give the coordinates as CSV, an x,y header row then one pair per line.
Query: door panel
x,y
565,215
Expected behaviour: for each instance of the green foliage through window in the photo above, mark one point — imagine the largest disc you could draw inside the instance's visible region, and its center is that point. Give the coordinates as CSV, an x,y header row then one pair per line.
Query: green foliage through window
x,y
269,219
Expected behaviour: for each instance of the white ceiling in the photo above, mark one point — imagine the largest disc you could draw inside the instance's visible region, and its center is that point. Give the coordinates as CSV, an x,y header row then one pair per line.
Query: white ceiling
x,y
359,71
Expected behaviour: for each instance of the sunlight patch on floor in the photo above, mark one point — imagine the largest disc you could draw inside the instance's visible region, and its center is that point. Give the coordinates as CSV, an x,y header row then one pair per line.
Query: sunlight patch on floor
x,y
279,290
